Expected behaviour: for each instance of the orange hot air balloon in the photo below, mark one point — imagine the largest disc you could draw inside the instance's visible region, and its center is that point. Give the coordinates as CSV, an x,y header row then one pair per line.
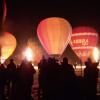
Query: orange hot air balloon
x,y
54,34
7,45
83,40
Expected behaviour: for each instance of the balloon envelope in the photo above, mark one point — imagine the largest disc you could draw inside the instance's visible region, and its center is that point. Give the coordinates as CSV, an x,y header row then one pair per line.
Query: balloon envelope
x,y
83,40
7,45
54,34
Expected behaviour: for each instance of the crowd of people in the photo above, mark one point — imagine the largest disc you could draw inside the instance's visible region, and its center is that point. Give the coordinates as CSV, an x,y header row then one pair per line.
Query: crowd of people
x,y
57,81
16,81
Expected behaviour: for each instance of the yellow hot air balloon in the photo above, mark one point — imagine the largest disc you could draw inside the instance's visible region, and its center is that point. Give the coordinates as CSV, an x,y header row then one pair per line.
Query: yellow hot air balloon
x,y
54,34
7,45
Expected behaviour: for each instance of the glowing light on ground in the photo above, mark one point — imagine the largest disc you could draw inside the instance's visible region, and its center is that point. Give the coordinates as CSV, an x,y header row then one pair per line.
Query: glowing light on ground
x,y
79,67
96,54
28,54
98,66
2,60
33,44
36,68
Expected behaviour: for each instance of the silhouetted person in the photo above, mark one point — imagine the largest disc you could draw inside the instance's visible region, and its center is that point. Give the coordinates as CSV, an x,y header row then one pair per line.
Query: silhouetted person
x,y
11,78
52,81
2,81
48,78
41,77
25,81
68,79
90,80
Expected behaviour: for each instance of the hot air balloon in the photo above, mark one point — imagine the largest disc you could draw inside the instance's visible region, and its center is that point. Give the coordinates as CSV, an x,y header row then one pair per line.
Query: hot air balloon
x,y
54,34
83,40
7,45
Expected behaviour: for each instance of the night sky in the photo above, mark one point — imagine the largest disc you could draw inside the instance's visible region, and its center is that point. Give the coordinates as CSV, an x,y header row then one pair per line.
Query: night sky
x,y
23,16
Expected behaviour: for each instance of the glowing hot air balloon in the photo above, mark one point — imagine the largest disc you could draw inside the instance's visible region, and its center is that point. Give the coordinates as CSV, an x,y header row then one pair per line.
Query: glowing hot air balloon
x,y
83,40
7,45
54,34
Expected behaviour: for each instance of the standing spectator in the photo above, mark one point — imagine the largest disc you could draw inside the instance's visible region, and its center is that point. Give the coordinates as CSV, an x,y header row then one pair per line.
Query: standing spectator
x,y
11,78
41,77
25,81
2,81
68,79
90,80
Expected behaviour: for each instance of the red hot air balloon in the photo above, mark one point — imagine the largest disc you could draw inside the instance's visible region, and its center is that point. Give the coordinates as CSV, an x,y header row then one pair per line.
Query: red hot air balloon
x,y
54,34
83,40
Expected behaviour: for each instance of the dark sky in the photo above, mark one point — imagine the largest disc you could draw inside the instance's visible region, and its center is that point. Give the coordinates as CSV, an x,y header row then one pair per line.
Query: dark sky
x,y
28,13
23,16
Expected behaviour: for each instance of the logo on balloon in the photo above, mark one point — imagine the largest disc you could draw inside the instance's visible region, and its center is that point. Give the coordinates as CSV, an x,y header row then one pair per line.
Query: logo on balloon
x,y
54,34
83,40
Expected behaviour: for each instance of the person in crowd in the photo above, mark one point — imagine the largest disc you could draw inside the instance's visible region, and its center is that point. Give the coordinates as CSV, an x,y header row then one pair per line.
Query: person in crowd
x,y
25,79
68,79
41,77
11,78
90,80
52,82
2,81
48,78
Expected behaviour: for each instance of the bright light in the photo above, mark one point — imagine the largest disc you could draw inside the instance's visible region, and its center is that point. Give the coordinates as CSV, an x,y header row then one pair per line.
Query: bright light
x,y
2,60
37,52
36,68
28,54
79,67
96,54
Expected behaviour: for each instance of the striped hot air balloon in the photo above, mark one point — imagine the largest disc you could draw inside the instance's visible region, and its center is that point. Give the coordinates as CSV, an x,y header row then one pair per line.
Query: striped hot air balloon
x,y
54,34
83,40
